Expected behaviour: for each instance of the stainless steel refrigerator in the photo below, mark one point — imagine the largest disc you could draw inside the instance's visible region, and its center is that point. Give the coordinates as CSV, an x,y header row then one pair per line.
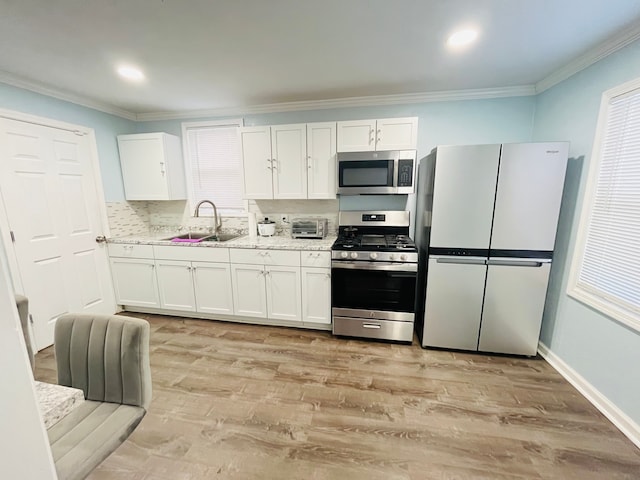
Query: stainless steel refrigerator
x,y
486,224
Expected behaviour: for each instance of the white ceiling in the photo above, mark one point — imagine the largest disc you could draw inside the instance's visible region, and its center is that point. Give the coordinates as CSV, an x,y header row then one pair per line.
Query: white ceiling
x,y
206,54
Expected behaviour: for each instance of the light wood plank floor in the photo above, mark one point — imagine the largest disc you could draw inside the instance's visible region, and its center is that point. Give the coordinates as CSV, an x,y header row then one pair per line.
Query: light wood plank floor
x,y
234,401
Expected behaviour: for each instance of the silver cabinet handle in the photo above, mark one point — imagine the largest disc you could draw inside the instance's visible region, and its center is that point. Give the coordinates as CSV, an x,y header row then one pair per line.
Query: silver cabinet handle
x,y
101,239
371,325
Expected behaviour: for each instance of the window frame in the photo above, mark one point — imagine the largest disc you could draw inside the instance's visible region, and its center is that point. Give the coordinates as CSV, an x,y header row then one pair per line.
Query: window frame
x,y
598,302
186,153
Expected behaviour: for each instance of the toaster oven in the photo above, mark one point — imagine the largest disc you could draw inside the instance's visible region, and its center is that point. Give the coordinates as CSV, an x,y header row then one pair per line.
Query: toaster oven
x,y
309,228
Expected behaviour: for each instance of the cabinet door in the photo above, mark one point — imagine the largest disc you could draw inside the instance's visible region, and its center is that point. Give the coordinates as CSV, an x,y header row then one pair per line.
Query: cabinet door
x,y
249,295
316,295
283,293
513,305
143,162
212,286
289,151
356,136
134,282
397,134
175,284
321,160
255,143
453,305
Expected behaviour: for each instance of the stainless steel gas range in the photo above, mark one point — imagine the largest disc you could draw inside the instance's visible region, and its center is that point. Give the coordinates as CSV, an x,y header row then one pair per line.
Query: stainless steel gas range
x,y
374,267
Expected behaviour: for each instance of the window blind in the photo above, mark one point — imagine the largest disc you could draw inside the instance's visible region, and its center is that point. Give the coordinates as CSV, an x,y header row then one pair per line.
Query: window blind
x,y
609,272
214,169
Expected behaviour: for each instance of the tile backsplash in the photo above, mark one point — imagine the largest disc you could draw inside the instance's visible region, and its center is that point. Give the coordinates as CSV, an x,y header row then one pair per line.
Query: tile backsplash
x,y
136,218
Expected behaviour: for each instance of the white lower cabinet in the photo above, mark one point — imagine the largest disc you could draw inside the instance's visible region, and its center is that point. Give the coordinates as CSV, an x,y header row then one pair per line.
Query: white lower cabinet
x,y
134,282
281,285
212,287
175,283
316,295
249,286
283,293
267,283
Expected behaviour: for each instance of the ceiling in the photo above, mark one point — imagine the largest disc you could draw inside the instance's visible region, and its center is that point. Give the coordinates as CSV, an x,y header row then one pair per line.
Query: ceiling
x,y
230,54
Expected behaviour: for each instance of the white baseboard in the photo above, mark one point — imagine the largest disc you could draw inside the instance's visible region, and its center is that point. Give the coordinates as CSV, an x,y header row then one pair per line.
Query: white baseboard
x,y
622,421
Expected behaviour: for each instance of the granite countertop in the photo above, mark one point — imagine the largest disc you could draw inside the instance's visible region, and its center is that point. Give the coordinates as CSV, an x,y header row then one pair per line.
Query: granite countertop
x,y
245,241
56,401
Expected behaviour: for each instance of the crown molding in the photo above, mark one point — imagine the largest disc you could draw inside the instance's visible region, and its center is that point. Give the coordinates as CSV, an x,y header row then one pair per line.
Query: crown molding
x,y
379,100
36,87
612,45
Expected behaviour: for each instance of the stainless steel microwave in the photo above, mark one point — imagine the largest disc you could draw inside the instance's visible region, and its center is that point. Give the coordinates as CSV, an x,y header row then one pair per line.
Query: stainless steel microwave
x,y
362,173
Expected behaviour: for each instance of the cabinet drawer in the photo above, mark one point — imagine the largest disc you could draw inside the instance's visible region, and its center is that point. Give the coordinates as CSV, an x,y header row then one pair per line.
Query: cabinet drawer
x,y
129,250
191,254
315,259
289,258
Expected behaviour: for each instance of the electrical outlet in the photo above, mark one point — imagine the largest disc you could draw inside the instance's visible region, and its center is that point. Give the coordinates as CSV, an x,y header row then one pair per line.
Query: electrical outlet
x,y
284,218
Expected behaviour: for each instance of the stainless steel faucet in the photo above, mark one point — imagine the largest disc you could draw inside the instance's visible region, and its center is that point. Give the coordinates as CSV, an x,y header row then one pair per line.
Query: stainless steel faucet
x,y
216,222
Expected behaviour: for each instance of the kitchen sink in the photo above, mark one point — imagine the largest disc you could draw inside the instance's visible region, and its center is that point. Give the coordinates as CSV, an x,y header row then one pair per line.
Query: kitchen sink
x,y
203,237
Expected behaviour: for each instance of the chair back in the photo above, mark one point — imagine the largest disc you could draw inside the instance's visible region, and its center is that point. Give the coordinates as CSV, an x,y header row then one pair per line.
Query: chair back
x,y
107,356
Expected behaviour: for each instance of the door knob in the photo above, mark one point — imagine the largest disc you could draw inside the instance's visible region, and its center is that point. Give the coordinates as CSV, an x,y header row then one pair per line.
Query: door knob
x,y
101,239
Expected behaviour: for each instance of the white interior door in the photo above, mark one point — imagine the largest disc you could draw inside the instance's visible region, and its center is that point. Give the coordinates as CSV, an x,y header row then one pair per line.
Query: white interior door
x,y
48,188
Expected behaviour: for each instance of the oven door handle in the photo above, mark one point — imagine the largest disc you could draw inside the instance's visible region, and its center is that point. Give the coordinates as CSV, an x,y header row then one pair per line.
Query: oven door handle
x,y
380,266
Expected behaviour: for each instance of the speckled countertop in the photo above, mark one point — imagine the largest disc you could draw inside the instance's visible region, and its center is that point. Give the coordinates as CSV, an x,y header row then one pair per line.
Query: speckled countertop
x,y
56,401
245,241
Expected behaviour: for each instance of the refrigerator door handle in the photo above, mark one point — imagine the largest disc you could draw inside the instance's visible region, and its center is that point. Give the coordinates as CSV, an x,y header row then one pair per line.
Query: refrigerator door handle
x,y
460,260
511,262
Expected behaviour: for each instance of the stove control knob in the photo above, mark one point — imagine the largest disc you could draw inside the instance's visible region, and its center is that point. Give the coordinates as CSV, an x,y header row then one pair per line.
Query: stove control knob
x,y
392,257
344,255
354,255
403,257
373,255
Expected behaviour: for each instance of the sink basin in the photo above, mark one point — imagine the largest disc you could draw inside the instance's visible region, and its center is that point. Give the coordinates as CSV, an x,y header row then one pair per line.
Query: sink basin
x,y
203,237
221,237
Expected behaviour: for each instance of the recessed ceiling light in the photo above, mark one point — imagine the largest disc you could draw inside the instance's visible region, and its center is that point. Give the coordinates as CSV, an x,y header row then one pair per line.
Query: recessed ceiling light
x,y
130,73
462,37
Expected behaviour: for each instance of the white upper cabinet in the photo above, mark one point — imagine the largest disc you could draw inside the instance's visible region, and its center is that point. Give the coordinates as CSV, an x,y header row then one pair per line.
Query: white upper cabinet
x,y
152,167
288,157
289,161
382,134
357,136
397,134
321,160
255,143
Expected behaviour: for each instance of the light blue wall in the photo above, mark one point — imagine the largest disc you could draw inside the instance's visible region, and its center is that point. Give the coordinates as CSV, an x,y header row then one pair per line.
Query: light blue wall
x,y
106,128
604,352
440,123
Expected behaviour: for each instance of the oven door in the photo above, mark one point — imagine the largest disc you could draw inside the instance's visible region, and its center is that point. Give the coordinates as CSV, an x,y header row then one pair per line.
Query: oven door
x,y
373,290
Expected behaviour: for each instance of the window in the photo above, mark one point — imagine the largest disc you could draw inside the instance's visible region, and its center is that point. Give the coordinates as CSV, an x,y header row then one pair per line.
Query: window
x,y
213,166
606,267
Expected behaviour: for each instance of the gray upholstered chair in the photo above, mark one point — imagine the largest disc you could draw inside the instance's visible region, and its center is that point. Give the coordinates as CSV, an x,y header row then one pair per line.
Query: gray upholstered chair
x,y
22,303
107,356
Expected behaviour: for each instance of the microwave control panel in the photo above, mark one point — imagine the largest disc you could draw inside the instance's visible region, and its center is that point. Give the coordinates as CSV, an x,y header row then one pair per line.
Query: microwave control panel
x,y
405,172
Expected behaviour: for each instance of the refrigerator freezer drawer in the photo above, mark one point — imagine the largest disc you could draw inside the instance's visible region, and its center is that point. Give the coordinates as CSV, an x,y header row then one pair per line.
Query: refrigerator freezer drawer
x,y
453,304
380,329
513,304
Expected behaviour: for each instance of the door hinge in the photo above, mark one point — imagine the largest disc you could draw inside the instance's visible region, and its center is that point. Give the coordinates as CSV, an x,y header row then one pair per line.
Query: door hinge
x,y
31,319
13,237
